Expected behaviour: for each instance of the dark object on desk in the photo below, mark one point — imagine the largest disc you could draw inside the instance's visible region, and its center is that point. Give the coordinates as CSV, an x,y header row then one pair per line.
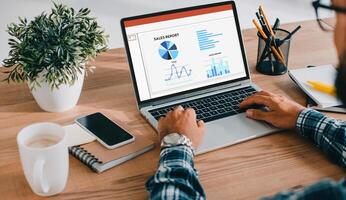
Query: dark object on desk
x,y
269,36
110,134
267,62
273,45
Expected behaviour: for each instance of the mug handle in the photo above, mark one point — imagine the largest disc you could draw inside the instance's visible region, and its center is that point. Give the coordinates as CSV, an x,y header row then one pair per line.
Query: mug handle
x,y
39,181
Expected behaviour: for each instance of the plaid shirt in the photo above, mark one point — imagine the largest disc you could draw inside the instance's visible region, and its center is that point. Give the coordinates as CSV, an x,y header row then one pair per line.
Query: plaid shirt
x,y
176,177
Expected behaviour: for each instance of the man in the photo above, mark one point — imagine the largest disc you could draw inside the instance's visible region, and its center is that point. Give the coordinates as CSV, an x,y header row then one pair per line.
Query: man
x,y
176,177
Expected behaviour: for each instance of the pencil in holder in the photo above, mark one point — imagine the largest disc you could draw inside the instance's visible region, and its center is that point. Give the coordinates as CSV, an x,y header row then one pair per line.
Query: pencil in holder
x,y
272,54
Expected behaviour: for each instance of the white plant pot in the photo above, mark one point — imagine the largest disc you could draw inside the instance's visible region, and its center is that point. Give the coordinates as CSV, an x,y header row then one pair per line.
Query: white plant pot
x,y
58,100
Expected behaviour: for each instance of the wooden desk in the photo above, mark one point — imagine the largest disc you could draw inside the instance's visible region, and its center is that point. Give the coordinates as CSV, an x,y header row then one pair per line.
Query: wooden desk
x,y
249,170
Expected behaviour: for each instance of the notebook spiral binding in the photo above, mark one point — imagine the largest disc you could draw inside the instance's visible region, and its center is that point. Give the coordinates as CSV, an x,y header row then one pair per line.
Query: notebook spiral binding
x,y
84,156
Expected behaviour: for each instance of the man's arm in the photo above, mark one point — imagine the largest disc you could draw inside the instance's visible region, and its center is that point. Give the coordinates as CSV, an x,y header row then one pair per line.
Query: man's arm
x,y
327,133
176,177
330,136
326,189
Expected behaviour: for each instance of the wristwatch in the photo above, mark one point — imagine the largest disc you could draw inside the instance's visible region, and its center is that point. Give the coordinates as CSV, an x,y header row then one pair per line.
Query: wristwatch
x,y
175,139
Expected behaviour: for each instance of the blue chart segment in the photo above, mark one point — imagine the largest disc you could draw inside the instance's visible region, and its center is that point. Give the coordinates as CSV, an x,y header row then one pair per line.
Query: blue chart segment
x,y
207,40
178,73
168,50
219,68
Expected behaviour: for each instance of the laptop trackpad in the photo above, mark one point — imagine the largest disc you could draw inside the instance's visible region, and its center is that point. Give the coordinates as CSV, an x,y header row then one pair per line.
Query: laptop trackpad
x,y
232,130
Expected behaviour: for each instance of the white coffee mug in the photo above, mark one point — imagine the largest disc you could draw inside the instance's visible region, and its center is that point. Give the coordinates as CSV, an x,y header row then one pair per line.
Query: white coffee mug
x,y
44,155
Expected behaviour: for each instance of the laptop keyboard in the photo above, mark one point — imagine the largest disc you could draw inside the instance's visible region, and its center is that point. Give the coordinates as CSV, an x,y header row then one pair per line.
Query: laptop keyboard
x,y
212,107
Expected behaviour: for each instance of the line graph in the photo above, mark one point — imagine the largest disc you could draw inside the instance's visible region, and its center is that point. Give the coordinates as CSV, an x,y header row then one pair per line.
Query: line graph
x,y
178,73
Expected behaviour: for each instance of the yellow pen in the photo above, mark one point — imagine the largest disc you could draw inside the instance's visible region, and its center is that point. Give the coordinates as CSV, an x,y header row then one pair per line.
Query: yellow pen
x,y
323,87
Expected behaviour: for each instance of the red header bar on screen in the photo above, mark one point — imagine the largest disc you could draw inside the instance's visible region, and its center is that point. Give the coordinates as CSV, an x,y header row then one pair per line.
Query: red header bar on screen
x,y
177,15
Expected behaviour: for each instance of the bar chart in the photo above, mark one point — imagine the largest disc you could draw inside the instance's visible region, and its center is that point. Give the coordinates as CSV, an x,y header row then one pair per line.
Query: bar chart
x,y
218,67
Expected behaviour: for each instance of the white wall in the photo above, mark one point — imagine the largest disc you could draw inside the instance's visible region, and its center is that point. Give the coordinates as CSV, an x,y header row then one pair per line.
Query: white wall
x,y
109,12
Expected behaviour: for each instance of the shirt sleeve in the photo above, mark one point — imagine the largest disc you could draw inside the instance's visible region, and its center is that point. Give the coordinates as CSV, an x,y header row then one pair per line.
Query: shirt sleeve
x,y
325,189
176,177
327,133
330,136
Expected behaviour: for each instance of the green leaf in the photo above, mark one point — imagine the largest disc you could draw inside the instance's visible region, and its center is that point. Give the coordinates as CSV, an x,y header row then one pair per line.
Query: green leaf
x,y
58,44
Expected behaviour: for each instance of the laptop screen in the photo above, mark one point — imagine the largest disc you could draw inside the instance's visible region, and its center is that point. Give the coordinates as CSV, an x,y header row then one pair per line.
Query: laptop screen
x,y
184,50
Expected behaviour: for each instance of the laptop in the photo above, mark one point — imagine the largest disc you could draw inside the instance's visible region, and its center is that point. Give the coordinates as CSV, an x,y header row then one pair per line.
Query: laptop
x,y
193,57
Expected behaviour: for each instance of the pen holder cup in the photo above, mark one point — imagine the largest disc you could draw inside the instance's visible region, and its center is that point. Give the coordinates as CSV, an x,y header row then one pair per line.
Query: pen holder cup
x,y
267,61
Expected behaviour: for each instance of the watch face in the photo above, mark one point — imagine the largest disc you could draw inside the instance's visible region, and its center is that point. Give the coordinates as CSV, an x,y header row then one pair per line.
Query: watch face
x,y
172,138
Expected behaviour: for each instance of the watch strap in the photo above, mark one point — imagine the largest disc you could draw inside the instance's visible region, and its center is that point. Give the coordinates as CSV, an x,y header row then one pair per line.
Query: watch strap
x,y
183,141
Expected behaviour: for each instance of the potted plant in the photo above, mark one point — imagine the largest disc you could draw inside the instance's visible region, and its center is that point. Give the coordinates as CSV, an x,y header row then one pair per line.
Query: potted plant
x,y
50,53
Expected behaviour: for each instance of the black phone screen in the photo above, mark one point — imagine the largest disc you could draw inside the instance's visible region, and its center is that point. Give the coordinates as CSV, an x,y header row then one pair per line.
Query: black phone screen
x,y
105,129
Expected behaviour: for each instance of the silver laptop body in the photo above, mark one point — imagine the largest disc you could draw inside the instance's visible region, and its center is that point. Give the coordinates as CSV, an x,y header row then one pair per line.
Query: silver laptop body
x,y
221,132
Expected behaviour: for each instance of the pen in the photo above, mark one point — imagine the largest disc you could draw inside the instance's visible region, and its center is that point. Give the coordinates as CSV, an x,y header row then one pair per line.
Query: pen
x,y
259,18
276,24
266,30
322,87
261,10
265,19
263,24
293,32
266,38
289,35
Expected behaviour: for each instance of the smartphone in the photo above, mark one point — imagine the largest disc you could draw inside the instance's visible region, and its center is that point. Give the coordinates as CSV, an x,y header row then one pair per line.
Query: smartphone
x,y
108,133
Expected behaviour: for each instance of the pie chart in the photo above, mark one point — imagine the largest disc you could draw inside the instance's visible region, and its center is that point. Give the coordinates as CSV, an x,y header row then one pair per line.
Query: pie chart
x,y
168,50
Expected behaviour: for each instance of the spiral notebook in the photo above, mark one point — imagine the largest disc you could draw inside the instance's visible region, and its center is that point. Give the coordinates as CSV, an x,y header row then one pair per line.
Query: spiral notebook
x,y
98,158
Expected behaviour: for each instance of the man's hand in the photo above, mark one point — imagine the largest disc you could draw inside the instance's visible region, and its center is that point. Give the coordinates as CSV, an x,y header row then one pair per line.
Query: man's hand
x,y
283,113
183,122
